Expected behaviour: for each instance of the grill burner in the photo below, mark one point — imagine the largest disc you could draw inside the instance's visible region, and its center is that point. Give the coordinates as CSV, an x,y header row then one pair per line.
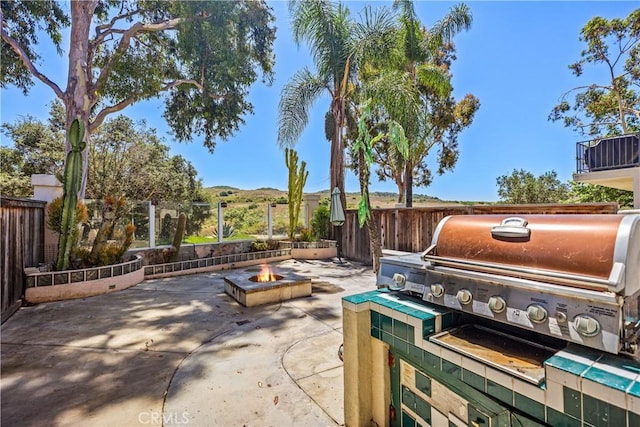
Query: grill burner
x,y
573,277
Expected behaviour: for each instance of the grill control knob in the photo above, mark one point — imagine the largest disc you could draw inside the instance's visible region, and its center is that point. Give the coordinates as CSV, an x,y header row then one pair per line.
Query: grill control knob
x,y
437,290
585,325
536,313
399,279
464,296
497,304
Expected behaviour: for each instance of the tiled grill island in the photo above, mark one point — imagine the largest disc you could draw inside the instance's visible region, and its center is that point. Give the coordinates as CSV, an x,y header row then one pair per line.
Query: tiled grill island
x,y
397,373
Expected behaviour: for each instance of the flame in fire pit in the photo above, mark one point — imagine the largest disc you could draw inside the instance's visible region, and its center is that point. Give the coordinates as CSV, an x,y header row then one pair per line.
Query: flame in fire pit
x,y
266,275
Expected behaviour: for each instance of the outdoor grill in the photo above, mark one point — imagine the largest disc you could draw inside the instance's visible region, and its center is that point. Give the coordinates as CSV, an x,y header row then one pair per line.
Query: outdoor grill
x,y
575,278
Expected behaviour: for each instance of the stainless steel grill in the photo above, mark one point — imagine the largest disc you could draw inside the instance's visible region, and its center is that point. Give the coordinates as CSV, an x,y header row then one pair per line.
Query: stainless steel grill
x,y
573,277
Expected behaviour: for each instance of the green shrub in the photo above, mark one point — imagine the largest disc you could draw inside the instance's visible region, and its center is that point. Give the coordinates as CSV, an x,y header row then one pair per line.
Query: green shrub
x,y
227,231
259,245
306,235
320,222
282,200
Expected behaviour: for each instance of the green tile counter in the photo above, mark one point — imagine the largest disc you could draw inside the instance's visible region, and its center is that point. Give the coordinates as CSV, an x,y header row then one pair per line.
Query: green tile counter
x,y
395,375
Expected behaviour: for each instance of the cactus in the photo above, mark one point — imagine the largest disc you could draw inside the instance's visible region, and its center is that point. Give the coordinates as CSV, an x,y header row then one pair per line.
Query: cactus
x,y
297,181
72,183
111,212
177,238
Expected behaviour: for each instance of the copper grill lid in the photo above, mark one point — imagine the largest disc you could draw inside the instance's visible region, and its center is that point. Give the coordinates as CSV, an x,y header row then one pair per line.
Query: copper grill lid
x,y
576,250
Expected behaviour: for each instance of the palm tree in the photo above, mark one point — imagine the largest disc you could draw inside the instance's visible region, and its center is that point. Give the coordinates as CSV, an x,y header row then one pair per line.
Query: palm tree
x,y
425,58
327,29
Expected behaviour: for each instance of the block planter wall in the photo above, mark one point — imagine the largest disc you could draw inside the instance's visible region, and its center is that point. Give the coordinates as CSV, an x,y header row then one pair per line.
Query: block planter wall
x,y
323,249
71,284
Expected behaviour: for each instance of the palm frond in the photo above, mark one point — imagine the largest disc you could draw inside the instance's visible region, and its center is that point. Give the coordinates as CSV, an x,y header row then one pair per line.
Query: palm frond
x,y
326,28
457,20
375,37
434,79
296,99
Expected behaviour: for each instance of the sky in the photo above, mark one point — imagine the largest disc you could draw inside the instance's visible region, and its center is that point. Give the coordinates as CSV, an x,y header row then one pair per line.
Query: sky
x,y
514,59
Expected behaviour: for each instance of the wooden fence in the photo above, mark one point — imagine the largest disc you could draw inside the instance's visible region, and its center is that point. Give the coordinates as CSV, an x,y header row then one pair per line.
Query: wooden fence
x,y
22,245
411,229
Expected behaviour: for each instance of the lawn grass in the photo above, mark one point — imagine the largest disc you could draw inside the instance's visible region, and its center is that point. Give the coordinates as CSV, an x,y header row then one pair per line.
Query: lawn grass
x,y
204,239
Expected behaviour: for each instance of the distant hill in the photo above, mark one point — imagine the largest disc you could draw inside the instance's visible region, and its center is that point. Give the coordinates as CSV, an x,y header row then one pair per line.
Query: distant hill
x,y
379,199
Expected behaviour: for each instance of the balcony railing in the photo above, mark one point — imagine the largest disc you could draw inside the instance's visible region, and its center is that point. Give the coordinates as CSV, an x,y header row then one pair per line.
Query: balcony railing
x,y
615,152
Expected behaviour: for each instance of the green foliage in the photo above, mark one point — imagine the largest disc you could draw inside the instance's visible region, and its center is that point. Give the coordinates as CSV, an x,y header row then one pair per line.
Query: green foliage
x,y
264,245
590,193
320,222
306,235
24,21
363,146
167,228
608,107
71,186
129,159
523,187
410,83
282,200
37,148
202,56
125,158
258,246
54,214
329,32
227,231
297,179
246,220
107,253
111,211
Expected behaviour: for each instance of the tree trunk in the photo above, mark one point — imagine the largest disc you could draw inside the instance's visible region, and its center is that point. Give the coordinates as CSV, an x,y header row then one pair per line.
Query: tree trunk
x,y
374,237
336,162
78,99
400,183
408,182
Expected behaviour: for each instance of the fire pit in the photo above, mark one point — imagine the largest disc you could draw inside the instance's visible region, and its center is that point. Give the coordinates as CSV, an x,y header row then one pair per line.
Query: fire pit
x,y
250,289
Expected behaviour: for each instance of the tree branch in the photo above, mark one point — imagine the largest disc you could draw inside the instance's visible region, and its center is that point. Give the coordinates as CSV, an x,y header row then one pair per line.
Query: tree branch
x,y
110,109
126,40
135,97
105,29
27,62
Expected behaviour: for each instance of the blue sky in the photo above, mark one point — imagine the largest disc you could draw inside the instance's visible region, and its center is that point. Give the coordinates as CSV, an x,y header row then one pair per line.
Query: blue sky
x,y
514,59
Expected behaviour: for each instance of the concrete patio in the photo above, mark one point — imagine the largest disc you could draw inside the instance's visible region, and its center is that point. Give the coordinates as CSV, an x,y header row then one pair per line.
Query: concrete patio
x,y
180,351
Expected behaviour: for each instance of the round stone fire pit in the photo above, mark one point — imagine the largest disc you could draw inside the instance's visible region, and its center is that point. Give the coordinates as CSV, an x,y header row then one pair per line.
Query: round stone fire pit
x,y
269,286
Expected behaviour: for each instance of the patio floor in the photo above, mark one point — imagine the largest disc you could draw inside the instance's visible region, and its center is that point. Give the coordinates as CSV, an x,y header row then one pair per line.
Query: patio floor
x,y
180,351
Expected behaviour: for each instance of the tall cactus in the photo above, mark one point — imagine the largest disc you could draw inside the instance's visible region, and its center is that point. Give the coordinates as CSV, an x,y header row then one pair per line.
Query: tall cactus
x,y
177,238
297,181
72,183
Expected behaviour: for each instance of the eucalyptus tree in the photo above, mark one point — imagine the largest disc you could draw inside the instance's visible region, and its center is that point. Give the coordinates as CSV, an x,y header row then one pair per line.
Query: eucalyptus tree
x,y
610,106
201,56
421,62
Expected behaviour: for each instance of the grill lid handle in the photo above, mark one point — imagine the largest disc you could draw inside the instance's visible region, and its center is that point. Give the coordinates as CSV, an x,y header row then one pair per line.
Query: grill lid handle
x,y
512,228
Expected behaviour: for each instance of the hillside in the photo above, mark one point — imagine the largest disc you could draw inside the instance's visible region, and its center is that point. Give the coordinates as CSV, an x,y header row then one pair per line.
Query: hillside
x,y
239,197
